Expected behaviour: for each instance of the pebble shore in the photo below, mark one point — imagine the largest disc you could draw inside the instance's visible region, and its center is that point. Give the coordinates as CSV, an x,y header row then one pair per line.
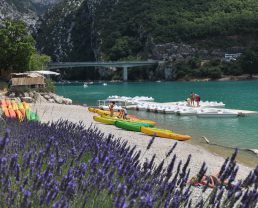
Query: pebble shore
x,y
75,113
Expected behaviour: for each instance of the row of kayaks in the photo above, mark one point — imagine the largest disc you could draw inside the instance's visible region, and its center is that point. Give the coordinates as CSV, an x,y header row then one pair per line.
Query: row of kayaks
x,y
137,125
17,110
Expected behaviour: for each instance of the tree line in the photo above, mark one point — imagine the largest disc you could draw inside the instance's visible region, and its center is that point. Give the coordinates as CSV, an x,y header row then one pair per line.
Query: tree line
x,y
18,49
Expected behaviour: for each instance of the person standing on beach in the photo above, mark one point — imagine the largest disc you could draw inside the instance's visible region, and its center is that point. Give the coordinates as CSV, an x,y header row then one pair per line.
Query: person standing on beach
x,y
111,108
192,96
197,99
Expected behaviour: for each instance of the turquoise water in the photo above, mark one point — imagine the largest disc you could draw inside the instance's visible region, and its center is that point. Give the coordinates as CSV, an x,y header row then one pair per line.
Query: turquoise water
x,y
239,132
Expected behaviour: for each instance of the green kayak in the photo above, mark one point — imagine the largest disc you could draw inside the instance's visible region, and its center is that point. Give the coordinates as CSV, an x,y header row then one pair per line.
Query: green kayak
x,y
131,126
31,116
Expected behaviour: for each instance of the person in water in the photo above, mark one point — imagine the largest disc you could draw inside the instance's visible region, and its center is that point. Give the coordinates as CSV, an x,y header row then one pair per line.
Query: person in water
x,y
192,96
197,99
111,108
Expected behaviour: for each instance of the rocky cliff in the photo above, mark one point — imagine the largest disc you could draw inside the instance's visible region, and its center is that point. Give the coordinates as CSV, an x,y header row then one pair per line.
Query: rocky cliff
x,y
26,10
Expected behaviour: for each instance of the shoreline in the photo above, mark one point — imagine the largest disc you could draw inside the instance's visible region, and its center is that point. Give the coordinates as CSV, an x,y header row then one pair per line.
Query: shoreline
x,y
52,112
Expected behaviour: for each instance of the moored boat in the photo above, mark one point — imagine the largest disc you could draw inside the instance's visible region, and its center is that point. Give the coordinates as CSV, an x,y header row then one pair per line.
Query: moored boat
x,y
217,114
164,133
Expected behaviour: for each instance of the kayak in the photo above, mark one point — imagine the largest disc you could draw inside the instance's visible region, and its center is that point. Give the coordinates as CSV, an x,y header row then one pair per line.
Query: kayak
x,y
107,113
3,103
104,120
23,112
164,133
8,103
28,114
130,120
25,105
19,115
20,106
12,113
14,105
131,126
92,110
6,113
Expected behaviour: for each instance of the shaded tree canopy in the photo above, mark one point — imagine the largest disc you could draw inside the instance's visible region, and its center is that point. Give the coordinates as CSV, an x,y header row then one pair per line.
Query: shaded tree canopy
x,y
249,61
17,48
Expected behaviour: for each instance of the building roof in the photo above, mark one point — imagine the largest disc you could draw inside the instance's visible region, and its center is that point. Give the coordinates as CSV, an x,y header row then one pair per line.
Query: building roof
x,y
45,72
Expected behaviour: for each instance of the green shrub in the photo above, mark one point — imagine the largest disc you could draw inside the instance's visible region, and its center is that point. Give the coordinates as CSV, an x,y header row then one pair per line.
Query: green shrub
x,y
50,86
3,85
214,73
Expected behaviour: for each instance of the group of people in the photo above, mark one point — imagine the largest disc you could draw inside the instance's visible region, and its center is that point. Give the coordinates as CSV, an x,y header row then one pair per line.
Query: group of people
x,y
122,112
192,99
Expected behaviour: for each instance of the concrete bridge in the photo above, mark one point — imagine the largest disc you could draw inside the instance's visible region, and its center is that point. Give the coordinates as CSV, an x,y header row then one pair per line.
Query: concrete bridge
x,y
123,64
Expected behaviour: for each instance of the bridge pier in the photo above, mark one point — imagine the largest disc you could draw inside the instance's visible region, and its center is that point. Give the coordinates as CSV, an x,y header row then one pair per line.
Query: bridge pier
x,y
125,73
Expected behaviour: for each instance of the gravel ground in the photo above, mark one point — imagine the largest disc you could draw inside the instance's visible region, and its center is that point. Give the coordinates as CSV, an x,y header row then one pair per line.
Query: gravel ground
x,y
75,113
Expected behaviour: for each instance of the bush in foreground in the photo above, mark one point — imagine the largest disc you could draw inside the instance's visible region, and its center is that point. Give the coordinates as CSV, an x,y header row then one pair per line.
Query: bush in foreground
x,y
66,165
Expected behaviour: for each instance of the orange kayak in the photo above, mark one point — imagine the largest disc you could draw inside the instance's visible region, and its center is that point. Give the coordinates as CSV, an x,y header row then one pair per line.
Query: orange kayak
x,y
19,115
6,113
12,113
3,103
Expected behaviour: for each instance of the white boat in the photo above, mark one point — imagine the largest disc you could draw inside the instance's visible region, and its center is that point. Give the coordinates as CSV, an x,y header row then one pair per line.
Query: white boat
x,y
104,84
217,114
186,112
161,109
85,85
169,110
105,107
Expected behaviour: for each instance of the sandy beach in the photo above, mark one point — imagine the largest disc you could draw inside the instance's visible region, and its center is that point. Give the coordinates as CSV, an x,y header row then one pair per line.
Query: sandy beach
x,y
76,113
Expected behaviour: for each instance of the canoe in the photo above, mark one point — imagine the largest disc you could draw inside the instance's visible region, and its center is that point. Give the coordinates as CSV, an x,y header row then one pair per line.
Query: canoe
x,y
92,110
12,113
23,112
127,126
8,103
143,122
25,105
131,126
14,106
6,113
164,133
20,106
3,103
104,120
28,114
107,113
19,115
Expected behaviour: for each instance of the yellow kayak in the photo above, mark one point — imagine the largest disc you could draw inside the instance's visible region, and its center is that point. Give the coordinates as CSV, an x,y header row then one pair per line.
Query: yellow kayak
x,y
14,105
152,123
25,105
104,120
20,106
164,133
92,110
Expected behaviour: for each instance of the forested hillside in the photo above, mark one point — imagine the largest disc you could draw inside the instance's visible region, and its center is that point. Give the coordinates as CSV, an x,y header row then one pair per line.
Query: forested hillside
x,y
116,29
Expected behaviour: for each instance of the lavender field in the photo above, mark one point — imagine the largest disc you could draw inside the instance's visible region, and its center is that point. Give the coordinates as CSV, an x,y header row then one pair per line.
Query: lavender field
x,y
62,164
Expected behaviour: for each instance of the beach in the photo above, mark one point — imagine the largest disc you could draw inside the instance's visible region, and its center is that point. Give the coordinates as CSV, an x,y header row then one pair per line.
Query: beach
x,y
75,113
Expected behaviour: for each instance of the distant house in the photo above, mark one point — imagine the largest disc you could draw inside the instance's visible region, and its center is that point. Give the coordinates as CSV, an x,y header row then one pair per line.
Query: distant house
x,y
31,80
231,56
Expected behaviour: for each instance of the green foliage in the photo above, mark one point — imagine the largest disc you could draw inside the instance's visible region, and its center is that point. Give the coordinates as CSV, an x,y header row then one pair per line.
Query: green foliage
x,y
16,46
128,28
3,85
192,70
50,86
232,68
249,61
38,61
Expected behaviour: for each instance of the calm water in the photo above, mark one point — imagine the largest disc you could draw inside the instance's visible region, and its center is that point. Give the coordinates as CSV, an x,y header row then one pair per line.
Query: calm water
x,y
239,132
